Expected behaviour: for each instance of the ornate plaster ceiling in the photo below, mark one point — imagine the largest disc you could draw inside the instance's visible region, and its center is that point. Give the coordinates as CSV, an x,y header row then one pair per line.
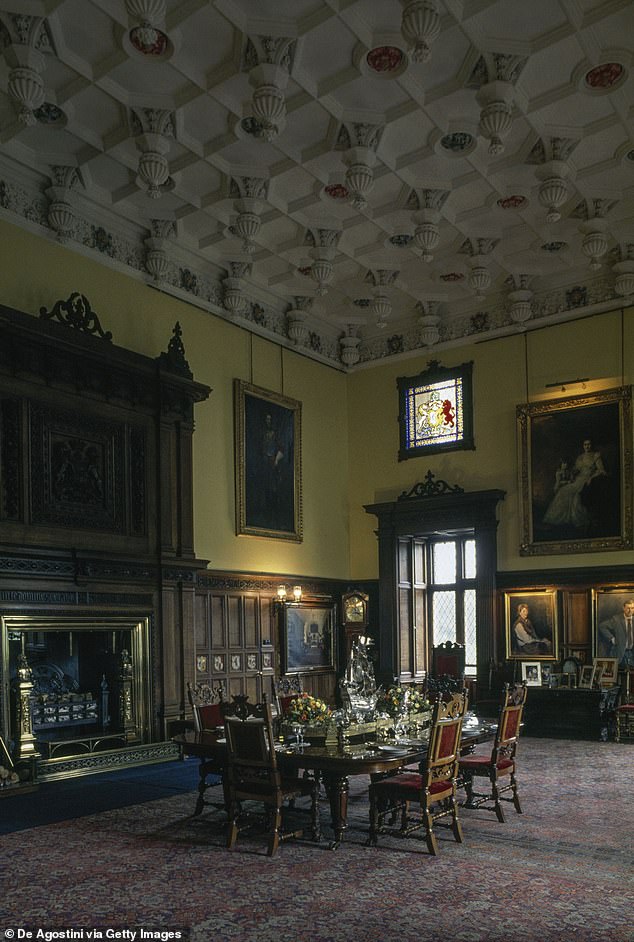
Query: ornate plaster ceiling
x,y
360,178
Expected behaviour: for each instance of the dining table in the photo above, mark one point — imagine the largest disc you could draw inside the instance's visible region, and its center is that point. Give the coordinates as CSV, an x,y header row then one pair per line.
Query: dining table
x,y
334,764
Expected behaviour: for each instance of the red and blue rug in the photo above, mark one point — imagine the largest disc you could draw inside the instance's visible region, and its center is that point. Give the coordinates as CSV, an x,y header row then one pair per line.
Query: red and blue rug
x,y
563,870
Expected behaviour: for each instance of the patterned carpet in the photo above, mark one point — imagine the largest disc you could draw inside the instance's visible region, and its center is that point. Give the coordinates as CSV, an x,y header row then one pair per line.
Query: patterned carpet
x,y
562,870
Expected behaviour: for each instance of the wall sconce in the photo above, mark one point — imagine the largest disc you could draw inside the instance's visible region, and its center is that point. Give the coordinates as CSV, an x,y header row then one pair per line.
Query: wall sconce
x,y
283,597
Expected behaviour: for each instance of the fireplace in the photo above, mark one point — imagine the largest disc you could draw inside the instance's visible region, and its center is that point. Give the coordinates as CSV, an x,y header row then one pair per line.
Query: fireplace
x,y
80,692
97,562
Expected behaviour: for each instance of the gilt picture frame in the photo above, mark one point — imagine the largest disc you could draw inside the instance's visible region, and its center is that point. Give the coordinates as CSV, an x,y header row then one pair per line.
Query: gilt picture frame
x,y
540,609
308,640
268,463
575,460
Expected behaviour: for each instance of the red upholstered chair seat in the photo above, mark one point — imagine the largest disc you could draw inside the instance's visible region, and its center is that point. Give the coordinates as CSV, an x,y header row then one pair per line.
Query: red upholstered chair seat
x,y
479,762
626,708
410,784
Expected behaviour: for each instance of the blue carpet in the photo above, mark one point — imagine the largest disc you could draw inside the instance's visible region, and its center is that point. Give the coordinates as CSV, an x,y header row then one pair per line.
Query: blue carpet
x,y
92,794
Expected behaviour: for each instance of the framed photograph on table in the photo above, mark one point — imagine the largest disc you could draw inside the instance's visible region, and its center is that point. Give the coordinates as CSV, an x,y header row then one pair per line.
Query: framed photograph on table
x,y
575,489
268,463
586,677
607,669
307,633
532,673
531,624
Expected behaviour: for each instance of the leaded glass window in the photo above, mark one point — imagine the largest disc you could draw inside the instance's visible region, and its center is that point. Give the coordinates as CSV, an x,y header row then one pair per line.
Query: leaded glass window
x,y
436,410
452,595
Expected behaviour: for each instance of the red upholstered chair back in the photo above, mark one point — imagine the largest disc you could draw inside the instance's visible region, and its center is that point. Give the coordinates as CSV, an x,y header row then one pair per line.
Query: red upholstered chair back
x,y
444,739
210,716
206,704
285,689
448,660
510,720
285,703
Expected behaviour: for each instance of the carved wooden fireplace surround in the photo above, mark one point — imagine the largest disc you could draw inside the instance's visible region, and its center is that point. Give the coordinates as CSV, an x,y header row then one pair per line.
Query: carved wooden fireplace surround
x,y
96,523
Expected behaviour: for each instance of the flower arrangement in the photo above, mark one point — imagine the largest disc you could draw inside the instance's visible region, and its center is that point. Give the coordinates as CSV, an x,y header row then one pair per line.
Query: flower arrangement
x,y
398,699
8,777
309,710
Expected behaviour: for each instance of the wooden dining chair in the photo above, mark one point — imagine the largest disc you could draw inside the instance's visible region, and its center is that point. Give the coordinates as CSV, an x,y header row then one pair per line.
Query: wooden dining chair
x,y
206,703
422,798
253,774
498,766
624,712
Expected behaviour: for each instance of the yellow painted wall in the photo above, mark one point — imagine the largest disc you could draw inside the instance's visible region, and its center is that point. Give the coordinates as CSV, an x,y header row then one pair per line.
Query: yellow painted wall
x,y
350,427
37,272
592,347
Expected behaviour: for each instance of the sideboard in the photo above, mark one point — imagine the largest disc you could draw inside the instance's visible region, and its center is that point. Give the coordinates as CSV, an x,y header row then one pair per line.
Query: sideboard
x,y
572,712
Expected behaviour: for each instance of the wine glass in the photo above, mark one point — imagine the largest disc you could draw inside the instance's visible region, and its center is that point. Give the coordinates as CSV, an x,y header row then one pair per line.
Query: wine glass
x,y
400,726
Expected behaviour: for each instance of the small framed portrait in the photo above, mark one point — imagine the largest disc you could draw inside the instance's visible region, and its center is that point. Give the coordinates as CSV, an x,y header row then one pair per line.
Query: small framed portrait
x,y
532,673
308,642
531,624
547,674
586,677
202,663
607,670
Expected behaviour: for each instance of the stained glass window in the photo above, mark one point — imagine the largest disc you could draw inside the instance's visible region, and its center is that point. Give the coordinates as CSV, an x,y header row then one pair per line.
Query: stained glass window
x,y
436,410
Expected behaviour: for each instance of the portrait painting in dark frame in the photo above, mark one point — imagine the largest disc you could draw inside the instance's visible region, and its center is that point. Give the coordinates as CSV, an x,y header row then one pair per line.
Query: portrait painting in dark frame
x,y
575,493
268,463
308,642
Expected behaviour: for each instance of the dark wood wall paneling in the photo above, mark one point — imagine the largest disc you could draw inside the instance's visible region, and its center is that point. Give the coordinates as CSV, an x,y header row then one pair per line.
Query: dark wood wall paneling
x,y
237,632
574,589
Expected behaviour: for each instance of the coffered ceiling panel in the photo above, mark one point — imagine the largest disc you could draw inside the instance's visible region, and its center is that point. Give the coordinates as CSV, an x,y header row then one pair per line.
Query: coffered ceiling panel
x,y
407,174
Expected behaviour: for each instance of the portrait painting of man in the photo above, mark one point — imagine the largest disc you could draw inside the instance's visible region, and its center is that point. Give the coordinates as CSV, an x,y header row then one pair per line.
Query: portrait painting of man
x,y
613,611
268,463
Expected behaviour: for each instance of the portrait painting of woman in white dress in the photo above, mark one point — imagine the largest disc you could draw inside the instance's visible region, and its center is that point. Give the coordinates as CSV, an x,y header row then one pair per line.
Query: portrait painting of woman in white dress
x,y
576,474
567,506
